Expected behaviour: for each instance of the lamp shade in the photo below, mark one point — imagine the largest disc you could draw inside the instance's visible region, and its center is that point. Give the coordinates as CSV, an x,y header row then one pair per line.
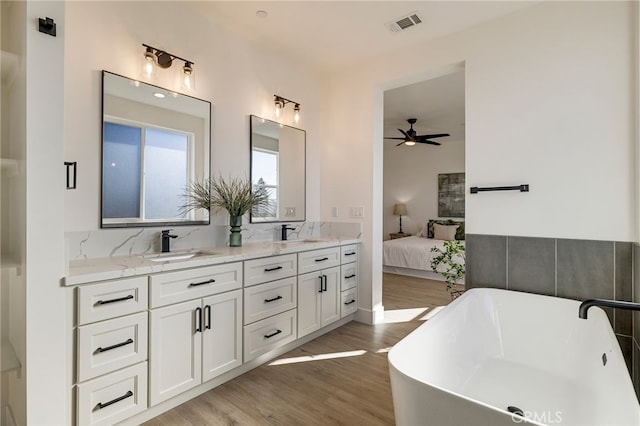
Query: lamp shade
x,y
400,209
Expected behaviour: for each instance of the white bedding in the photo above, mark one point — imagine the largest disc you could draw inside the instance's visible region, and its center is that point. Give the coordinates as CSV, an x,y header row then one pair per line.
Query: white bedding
x,y
411,252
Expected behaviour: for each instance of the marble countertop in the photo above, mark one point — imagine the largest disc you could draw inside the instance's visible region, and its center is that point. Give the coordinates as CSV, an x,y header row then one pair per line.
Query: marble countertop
x,y
107,268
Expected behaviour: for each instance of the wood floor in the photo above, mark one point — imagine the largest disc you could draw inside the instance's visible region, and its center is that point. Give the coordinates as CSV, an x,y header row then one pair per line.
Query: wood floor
x,y
341,378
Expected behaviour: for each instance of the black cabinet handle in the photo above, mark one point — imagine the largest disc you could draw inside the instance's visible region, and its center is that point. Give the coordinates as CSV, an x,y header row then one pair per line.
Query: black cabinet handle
x,y
351,253
101,405
198,320
346,277
272,269
272,299
202,283
350,302
207,312
275,333
321,281
117,345
119,299
322,260
325,283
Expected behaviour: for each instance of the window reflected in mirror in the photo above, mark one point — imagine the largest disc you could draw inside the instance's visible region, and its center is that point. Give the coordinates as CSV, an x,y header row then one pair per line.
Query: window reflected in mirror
x,y
153,147
278,169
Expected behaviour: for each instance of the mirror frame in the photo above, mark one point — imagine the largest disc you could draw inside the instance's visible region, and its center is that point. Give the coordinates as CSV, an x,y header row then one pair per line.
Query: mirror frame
x,y
149,223
304,134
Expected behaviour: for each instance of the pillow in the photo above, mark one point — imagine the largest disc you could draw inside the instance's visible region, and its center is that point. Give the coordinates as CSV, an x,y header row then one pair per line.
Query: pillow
x,y
459,224
444,232
422,230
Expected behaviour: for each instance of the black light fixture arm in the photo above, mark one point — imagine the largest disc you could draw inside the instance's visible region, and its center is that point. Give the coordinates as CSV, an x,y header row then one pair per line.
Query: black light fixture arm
x,y
285,101
159,52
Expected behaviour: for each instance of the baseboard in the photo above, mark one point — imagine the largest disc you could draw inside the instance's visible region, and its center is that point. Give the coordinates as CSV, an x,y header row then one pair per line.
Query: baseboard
x,y
370,316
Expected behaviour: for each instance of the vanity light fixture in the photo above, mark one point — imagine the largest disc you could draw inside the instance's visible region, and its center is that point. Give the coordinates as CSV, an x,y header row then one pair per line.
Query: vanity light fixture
x,y
154,57
281,102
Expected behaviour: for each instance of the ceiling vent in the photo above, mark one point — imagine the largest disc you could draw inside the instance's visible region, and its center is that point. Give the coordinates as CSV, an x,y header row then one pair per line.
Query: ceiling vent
x,y
404,22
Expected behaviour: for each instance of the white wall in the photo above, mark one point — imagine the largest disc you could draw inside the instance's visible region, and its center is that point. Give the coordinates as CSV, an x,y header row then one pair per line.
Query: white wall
x,y
549,102
237,77
411,177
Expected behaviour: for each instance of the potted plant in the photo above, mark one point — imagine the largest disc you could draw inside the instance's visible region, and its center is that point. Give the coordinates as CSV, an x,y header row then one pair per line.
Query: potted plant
x,y
449,261
235,195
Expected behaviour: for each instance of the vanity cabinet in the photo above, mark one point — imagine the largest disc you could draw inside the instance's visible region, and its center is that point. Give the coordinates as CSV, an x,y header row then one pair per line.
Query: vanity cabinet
x,y
349,279
111,350
196,340
318,289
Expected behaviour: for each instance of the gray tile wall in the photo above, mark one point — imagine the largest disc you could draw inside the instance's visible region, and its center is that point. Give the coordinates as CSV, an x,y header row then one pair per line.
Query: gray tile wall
x,y
575,269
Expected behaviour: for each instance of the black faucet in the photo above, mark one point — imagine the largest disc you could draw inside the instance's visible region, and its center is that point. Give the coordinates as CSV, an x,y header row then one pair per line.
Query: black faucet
x,y
166,237
286,228
584,306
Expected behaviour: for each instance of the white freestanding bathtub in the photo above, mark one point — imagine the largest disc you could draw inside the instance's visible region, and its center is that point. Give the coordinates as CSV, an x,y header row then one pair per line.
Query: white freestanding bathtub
x,y
493,349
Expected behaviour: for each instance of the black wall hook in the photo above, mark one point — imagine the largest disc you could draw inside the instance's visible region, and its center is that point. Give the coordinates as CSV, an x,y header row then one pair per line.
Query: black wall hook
x,y
47,26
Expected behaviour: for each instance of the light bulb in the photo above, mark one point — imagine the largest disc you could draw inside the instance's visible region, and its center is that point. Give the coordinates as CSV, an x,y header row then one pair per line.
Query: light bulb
x,y
278,108
148,64
188,77
296,113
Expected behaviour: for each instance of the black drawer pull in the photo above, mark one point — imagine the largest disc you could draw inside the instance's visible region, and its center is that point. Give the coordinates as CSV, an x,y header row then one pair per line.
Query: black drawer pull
x,y
272,299
101,405
346,277
117,345
119,299
202,283
198,320
321,284
351,253
322,260
350,302
272,269
207,312
275,333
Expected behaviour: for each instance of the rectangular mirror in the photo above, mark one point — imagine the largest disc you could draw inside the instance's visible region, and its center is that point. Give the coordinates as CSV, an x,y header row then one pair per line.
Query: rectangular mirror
x,y
154,143
278,159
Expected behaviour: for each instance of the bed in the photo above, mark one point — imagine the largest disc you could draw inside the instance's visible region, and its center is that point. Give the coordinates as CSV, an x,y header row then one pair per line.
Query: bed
x,y
412,255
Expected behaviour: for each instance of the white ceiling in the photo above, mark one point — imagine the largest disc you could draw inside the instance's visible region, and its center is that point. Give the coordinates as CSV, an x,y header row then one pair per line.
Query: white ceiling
x,y
333,35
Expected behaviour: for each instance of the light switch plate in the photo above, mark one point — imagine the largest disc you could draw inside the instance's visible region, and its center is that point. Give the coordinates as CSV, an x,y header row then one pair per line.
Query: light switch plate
x,y
356,212
334,212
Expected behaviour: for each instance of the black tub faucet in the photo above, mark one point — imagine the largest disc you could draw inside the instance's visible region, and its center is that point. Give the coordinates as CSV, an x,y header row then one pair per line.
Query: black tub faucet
x,y
584,306
285,228
166,237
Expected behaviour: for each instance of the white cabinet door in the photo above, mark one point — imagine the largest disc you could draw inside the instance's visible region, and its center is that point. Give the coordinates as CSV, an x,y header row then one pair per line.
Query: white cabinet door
x,y
221,334
309,302
175,350
330,296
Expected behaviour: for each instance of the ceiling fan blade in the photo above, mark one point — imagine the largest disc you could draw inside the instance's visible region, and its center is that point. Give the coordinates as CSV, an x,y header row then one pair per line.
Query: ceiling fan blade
x,y
401,143
400,139
439,135
406,135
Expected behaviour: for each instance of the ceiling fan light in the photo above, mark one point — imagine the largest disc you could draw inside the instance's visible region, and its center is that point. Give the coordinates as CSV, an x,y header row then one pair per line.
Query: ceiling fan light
x,y
409,143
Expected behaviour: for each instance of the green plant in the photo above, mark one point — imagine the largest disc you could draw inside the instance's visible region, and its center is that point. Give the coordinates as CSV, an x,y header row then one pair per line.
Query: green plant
x,y
235,195
449,256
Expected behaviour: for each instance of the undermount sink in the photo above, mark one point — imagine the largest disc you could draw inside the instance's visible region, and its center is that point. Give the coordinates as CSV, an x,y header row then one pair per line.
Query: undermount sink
x,y
300,241
172,257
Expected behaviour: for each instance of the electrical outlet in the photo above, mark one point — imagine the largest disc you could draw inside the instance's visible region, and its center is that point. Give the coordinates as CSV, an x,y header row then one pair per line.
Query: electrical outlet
x,y
356,212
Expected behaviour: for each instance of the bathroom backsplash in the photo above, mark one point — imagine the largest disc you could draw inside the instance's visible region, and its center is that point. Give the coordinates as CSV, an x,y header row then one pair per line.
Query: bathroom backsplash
x,y
127,241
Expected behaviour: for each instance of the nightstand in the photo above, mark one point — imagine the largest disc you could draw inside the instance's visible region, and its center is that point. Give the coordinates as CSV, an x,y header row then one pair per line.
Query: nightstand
x,y
395,235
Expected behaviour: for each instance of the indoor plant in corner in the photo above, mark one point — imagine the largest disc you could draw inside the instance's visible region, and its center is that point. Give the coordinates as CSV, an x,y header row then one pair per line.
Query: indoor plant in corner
x,y
451,257
235,195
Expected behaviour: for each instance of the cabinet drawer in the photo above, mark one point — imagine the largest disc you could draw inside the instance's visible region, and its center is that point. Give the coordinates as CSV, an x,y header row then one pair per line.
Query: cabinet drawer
x,y
112,398
264,300
110,299
348,276
315,260
267,269
108,345
349,303
349,253
174,287
263,336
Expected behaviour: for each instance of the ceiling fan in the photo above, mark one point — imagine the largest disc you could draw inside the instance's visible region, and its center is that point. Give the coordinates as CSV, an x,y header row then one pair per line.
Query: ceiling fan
x,y
410,136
